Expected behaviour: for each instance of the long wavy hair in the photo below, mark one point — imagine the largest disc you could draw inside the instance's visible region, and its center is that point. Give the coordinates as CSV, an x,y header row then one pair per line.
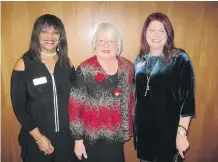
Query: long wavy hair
x,y
53,21
145,48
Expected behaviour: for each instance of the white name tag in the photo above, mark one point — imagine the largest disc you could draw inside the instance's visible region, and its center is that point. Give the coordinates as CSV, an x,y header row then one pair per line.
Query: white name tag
x,y
140,64
38,81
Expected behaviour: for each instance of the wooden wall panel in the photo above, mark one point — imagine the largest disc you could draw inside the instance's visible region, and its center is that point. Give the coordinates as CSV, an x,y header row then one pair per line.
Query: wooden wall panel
x,y
195,25
0,84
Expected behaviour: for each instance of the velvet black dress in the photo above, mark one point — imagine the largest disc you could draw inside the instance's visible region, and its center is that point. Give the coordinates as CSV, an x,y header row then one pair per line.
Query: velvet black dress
x,y
169,98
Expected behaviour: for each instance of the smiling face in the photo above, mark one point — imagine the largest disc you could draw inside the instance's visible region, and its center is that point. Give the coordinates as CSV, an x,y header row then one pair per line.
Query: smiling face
x,y
106,45
156,35
48,39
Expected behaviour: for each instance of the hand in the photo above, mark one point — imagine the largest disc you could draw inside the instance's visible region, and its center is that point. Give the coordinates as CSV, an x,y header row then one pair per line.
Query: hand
x,y
182,144
80,149
45,145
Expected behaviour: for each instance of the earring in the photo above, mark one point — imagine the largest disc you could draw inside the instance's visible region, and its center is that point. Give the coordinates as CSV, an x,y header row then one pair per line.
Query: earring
x,y
58,48
118,52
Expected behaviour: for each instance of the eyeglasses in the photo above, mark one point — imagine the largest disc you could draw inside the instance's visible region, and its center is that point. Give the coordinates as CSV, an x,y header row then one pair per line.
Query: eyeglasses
x,y
103,42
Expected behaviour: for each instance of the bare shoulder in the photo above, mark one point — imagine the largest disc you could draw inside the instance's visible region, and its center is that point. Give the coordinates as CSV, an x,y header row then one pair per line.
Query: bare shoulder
x,y
19,65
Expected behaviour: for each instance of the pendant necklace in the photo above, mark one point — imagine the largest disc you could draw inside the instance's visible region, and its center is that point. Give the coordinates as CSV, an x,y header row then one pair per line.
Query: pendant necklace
x,y
116,91
149,76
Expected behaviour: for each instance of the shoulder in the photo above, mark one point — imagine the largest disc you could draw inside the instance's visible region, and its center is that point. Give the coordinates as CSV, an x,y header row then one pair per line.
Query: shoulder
x,y
126,61
126,64
182,60
71,64
92,61
139,62
180,55
87,65
138,59
19,65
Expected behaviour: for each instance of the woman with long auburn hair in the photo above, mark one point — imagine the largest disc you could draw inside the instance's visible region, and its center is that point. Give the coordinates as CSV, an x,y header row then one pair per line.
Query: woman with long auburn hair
x,y
165,88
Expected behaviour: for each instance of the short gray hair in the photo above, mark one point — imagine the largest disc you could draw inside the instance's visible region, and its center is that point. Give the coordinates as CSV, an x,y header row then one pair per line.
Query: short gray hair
x,y
108,28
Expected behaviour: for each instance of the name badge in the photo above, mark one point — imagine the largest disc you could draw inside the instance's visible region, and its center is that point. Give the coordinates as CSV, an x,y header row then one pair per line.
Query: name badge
x,y
38,81
140,64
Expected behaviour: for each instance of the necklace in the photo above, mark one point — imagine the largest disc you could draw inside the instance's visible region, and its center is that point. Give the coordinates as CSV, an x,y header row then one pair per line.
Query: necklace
x,y
45,54
149,76
114,80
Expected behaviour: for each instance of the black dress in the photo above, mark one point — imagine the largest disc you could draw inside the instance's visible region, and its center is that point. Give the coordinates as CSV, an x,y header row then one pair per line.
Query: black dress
x,y
169,98
40,99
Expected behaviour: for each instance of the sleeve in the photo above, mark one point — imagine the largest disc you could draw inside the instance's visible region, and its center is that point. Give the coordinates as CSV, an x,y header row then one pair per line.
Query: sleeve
x,y
76,104
72,75
132,100
139,65
137,60
133,113
18,99
186,87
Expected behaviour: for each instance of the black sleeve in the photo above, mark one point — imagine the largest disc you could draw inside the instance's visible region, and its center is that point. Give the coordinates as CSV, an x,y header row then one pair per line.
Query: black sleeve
x,y
72,75
184,90
18,99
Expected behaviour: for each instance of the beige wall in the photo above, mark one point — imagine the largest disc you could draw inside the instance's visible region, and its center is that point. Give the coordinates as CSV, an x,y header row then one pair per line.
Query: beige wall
x,y
196,29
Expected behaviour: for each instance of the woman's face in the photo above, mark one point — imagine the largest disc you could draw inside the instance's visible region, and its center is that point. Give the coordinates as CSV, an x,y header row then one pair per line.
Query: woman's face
x,y
156,35
48,39
106,46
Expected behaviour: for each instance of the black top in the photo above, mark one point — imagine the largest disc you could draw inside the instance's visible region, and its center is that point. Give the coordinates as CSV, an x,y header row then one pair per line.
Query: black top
x,y
169,98
40,99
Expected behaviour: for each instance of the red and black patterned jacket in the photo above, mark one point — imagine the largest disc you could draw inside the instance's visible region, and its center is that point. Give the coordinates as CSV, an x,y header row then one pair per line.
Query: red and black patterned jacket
x,y
95,112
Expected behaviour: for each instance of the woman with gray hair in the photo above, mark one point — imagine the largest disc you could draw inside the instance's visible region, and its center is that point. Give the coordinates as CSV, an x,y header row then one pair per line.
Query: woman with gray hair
x,y
102,100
